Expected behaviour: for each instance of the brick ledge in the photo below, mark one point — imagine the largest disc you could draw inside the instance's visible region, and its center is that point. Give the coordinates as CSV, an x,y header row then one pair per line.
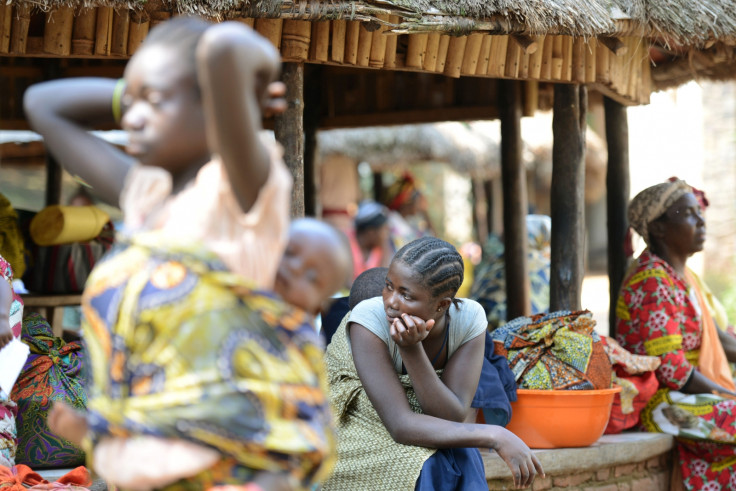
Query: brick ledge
x,y
608,451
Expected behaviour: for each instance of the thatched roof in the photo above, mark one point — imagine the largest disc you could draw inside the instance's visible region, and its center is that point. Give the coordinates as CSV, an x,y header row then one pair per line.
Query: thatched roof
x,y
717,63
469,148
686,22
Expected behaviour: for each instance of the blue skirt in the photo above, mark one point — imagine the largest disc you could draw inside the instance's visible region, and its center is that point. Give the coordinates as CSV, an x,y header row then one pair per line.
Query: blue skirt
x,y
451,469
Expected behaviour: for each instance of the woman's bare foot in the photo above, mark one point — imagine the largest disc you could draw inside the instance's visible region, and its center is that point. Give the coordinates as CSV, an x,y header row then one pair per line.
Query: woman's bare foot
x,y
66,422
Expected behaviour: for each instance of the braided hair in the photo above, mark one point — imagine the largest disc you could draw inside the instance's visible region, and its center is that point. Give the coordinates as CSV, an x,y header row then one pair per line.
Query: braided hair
x,y
437,263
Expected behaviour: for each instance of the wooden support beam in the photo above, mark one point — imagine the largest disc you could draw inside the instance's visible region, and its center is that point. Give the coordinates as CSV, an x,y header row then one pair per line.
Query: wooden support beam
x,y
289,130
567,198
312,104
513,175
53,181
488,192
378,187
617,199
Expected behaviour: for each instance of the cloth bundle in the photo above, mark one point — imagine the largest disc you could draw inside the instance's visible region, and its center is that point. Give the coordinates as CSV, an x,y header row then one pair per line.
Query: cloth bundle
x,y
22,477
51,373
55,224
559,350
635,375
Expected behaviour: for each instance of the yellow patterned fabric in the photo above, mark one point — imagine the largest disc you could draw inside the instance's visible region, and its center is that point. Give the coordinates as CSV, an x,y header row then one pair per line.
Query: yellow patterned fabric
x,y
368,458
11,238
181,348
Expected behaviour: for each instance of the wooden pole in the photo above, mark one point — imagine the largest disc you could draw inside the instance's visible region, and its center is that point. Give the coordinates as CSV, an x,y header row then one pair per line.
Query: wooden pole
x,y
617,199
312,104
518,299
488,192
480,222
83,33
567,197
289,130
53,181
378,187
57,34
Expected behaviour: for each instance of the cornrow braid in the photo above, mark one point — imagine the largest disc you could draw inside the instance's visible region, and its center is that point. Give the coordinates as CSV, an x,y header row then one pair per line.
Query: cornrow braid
x,y
437,263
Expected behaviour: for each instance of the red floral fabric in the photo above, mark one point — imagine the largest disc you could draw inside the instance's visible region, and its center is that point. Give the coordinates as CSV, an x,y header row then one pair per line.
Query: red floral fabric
x,y
657,316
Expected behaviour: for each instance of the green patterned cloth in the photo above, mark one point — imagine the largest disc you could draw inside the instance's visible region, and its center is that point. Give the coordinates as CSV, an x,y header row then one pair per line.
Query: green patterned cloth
x,y
559,350
368,458
53,372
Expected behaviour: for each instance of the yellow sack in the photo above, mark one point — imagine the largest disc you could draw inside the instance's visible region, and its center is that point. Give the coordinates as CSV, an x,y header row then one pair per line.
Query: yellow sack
x,y
57,224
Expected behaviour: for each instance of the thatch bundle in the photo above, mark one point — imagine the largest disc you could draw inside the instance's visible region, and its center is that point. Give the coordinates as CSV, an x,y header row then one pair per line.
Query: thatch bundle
x,y
688,22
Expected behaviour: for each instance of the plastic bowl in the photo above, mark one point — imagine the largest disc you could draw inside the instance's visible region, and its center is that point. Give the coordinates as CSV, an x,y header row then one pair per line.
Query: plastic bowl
x,y
561,418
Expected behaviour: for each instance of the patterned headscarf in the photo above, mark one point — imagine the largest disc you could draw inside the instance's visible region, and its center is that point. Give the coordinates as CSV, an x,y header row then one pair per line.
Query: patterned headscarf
x,y
651,203
401,192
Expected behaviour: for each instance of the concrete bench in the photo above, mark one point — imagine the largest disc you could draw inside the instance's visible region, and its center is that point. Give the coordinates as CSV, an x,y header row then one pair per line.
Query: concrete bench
x,y
624,462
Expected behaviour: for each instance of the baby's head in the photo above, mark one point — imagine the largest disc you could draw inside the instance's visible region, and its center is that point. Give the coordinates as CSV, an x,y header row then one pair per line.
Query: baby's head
x,y
367,285
161,104
316,264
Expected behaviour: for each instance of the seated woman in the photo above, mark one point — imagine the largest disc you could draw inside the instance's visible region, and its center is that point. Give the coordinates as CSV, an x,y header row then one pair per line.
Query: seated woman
x,y
661,312
403,373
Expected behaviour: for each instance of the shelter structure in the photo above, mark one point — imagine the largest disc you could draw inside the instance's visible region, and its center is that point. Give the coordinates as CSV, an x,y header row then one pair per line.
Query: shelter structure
x,y
355,63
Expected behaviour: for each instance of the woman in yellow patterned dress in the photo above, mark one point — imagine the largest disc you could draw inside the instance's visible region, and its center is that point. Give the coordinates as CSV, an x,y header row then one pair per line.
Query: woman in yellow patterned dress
x,y
220,383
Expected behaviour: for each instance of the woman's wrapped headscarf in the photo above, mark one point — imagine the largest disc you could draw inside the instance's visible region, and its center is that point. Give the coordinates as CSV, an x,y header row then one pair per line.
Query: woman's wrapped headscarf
x,y
651,203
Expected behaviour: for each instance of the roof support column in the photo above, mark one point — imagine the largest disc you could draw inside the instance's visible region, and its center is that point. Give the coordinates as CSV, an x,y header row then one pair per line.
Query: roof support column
x,y
617,198
289,130
312,103
53,180
513,176
568,196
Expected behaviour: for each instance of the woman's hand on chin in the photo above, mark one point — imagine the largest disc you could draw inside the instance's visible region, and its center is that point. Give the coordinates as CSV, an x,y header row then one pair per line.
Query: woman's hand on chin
x,y
409,330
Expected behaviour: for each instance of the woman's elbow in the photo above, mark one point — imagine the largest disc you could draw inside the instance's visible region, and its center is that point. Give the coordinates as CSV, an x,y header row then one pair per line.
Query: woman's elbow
x,y
400,434
33,101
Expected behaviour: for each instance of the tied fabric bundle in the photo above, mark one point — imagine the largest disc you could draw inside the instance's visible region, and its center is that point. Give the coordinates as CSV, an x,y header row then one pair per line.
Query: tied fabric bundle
x,y
635,374
51,373
22,477
559,350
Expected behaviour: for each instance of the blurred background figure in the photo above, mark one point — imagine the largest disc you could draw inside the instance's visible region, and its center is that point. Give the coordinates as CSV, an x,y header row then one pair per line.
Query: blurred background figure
x,y
370,241
408,218
489,285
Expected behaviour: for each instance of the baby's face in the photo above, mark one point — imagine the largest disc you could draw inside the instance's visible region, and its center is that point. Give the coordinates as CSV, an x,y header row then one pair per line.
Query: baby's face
x,y
310,271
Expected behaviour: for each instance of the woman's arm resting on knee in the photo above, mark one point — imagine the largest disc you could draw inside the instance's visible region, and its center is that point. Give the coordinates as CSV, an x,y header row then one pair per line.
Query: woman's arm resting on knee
x,y
385,392
700,384
63,111
235,66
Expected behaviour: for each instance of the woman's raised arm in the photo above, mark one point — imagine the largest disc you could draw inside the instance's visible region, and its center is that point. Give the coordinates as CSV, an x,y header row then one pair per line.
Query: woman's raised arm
x,y
63,111
235,66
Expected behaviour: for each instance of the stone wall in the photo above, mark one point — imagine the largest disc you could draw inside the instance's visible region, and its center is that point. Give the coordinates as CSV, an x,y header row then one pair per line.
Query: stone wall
x,y
626,462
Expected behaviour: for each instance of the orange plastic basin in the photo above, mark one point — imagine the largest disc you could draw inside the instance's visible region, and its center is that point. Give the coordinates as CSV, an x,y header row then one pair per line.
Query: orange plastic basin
x,y
561,418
